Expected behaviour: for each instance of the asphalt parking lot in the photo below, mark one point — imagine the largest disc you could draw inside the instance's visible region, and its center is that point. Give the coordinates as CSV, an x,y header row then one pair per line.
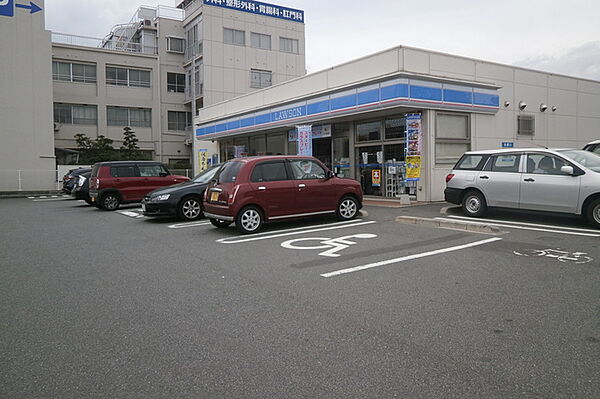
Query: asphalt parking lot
x,y
100,304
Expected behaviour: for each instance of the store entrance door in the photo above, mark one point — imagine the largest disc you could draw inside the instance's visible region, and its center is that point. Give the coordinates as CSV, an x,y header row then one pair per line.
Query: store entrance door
x,y
370,169
322,150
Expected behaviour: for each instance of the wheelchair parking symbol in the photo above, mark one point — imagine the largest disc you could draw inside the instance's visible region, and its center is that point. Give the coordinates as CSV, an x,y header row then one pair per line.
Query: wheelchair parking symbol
x,y
332,245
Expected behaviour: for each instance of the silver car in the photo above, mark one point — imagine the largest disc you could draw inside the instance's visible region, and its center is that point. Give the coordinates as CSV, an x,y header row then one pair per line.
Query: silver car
x,y
565,181
594,146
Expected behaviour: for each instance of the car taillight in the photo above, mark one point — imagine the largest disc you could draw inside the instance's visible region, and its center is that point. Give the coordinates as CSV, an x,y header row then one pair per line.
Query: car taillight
x,y
449,177
231,197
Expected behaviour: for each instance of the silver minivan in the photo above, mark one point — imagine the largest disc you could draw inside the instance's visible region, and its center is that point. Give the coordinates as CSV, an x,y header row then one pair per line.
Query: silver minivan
x,y
565,181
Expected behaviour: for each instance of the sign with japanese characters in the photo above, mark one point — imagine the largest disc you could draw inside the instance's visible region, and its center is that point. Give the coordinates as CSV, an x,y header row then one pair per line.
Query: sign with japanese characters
x,y
414,147
376,177
257,7
304,140
202,160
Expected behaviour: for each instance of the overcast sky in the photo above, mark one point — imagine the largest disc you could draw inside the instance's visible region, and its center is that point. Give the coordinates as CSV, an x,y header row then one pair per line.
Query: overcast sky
x,y
555,36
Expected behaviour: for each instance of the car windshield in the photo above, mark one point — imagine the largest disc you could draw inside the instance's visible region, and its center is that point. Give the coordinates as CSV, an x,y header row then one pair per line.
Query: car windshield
x,y
228,173
207,175
588,159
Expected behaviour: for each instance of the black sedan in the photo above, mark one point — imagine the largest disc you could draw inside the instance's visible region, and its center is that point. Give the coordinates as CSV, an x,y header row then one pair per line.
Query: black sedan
x,y
71,179
81,189
181,200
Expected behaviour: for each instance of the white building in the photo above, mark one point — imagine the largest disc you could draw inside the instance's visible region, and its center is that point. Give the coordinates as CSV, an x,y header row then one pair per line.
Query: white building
x,y
399,119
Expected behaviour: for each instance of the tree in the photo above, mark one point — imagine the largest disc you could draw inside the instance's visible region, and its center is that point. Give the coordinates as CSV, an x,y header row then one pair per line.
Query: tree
x,y
83,142
92,151
130,150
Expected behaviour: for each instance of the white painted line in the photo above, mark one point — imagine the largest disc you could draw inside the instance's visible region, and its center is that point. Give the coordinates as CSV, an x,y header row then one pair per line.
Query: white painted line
x,y
31,197
409,257
49,199
128,213
549,226
43,196
235,240
189,224
297,228
55,196
512,226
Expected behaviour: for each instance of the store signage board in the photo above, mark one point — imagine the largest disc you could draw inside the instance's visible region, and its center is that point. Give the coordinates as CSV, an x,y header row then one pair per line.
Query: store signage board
x,y
508,144
257,7
318,132
202,160
7,7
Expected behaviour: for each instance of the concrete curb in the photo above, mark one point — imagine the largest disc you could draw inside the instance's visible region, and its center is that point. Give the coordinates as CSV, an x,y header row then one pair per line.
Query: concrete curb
x,y
25,194
455,225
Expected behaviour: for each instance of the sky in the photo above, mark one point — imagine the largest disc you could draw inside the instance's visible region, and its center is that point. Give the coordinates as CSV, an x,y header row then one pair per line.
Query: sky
x,y
554,36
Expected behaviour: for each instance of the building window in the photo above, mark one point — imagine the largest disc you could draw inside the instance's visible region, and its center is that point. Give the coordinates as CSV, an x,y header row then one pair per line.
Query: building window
x,y
260,79
288,45
70,72
179,120
525,125
258,40
194,40
369,131
452,138
175,45
175,82
395,128
198,72
121,116
127,77
75,114
234,36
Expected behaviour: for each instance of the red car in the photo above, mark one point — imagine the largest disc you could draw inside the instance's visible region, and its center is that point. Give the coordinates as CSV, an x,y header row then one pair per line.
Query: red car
x,y
251,191
122,182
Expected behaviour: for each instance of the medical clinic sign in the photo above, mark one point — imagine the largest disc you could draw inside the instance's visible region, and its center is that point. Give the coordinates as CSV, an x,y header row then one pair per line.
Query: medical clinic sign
x,y
256,7
7,7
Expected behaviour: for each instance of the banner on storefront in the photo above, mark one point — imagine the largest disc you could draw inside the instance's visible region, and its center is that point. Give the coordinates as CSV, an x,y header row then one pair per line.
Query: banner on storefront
x,y
413,168
376,177
414,140
304,140
317,133
202,160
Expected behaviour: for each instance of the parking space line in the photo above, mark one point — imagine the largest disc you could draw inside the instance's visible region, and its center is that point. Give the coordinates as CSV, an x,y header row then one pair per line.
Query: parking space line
x,y
524,224
308,229
410,257
189,224
44,199
513,226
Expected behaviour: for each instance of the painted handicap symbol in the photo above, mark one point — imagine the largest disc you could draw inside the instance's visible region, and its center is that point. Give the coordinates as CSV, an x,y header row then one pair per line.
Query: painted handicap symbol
x,y
332,245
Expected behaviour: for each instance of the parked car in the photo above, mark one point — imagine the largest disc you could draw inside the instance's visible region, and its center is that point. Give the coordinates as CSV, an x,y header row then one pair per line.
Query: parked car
x,y
71,178
182,200
81,190
594,146
123,182
565,181
251,191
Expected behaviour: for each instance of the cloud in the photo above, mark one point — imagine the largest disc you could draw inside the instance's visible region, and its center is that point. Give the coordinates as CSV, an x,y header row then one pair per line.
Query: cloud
x,y
582,61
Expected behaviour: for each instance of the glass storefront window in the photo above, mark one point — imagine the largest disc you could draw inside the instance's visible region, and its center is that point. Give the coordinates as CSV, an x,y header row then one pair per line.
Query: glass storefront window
x,y
341,156
276,144
395,128
370,170
369,131
258,146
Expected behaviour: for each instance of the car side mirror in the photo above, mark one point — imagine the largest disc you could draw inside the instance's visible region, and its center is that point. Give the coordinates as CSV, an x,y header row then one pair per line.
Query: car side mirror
x,y
568,170
329,174
163,174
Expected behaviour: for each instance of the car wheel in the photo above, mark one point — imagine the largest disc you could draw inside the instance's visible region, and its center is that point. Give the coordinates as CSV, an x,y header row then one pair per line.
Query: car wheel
x,y
249,220
190,209
474,204
110,202
592,214
347,209
220,223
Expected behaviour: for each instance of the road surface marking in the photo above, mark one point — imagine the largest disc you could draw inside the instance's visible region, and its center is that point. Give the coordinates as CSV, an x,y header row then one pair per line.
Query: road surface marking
x,y
188,224
50,199
332,245
409,257
512,226
525,224
240,239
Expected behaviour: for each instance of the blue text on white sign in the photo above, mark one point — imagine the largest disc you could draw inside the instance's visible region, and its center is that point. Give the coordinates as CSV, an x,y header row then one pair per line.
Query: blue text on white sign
x,y
257,7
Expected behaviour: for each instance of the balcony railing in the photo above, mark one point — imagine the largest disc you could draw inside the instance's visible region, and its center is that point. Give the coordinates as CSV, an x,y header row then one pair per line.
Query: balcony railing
x,y
94,42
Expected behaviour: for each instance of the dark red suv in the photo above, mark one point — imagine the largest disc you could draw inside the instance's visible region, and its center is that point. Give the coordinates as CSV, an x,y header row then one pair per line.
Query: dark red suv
x,y
116,183
251,191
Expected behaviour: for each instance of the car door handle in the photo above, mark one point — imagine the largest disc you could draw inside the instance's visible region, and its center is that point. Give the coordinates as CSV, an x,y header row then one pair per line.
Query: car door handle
x,y
301,185
262,188
529,180
484,177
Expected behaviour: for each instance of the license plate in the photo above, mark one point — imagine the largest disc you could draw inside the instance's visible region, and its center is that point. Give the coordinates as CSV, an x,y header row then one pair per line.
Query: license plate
x,y
214,196
143,207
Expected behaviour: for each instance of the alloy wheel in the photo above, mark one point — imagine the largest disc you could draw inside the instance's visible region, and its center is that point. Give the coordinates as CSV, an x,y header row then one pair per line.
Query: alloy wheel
x,y
250,220
191,209
348,209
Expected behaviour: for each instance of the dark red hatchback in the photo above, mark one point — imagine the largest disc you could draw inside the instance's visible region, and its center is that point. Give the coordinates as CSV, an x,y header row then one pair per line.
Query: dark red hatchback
x,y
251,191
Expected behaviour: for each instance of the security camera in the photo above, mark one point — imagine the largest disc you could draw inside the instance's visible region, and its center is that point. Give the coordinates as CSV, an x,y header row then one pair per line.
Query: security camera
x,y
543,107
522,105
553,108
507,103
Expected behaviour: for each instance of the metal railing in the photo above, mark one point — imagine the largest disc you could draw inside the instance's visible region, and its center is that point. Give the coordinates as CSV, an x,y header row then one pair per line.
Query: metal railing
x,y
115,45
29,180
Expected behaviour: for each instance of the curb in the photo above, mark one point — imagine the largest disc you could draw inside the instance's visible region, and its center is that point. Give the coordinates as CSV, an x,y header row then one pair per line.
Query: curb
x,y
455,225
25,194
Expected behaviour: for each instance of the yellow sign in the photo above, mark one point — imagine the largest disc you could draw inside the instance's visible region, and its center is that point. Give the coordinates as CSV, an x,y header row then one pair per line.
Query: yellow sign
x,y
202,160
413,167
376,177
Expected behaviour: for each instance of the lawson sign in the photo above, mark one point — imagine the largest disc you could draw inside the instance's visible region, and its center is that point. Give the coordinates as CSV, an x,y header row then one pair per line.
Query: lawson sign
x,y
257,7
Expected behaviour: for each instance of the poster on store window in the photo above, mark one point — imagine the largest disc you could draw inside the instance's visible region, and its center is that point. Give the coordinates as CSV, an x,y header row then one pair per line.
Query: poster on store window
x,y
376,177
239,151
304,140
202,160
413,168
414,147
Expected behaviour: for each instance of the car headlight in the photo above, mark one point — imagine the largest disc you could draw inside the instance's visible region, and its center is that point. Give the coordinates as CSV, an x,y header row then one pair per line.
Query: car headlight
x,y
163,197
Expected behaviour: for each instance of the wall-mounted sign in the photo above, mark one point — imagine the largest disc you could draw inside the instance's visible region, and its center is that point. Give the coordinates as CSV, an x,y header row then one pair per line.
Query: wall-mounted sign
x,y
508,144
7,7
202,160
304,140
413,168
317,133
257,7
